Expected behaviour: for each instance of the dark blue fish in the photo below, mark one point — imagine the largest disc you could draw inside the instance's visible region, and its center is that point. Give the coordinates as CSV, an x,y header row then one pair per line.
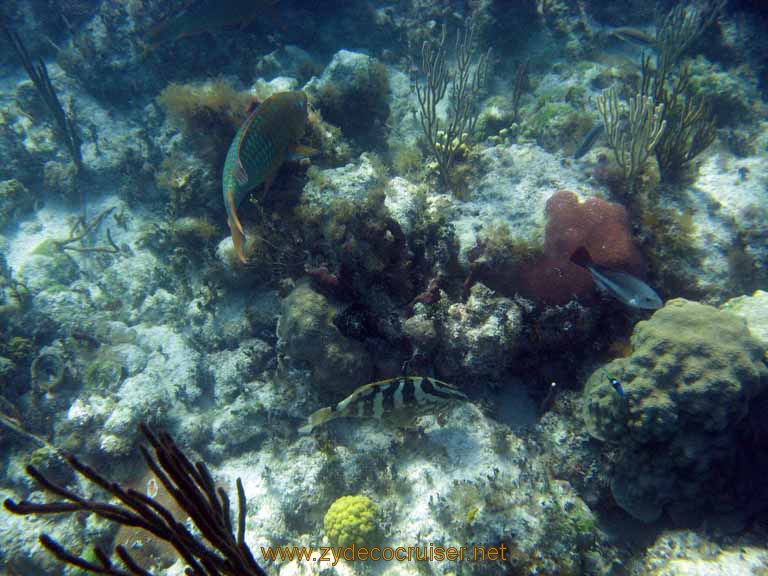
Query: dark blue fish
x,y
589,141
626,288
616,383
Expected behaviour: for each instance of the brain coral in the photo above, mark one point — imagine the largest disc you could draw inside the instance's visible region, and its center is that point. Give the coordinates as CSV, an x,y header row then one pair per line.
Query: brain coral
x,y
689,382
351,520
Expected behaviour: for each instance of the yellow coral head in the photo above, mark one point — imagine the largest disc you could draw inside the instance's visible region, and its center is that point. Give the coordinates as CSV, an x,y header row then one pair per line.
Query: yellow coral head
x,y
352,520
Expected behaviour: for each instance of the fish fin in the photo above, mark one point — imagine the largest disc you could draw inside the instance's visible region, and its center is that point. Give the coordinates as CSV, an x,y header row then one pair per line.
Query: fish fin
x,y
581,257
318,418
238,236
299,152
239,173
238,239
252,105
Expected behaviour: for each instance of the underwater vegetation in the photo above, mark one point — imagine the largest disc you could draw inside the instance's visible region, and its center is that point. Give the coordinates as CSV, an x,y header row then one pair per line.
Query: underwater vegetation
x,y
663,119
66,122
193,489
208,114
466,81
442,324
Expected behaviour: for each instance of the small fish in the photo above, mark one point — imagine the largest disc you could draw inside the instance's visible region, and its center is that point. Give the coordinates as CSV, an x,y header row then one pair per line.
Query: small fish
x,y
634,36
262,143
203,15
589,141
616,383
549,399
400,399
626,288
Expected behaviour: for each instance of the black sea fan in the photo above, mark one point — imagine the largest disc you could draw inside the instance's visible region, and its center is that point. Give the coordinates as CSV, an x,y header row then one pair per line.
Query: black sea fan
x,y
221,553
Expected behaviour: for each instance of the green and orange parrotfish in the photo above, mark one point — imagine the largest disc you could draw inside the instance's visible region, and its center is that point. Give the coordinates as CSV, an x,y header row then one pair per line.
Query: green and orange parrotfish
x,y
203,15
262,143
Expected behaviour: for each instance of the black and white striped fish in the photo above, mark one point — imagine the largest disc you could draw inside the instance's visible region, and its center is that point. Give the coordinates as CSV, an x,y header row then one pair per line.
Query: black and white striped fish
x,y
397,398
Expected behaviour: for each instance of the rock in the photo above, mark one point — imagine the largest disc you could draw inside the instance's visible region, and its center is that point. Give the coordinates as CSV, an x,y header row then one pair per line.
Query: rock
x,y
689,382
480,336
15,201
401,201
353,94
163,390
231,369
307,335
754,309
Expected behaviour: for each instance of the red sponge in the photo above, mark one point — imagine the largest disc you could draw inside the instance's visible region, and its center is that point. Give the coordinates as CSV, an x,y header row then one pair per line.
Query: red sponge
x,y
599,226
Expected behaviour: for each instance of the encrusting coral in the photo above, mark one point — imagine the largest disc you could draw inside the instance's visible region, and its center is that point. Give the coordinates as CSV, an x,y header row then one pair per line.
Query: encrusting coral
x,y
550,277
689,384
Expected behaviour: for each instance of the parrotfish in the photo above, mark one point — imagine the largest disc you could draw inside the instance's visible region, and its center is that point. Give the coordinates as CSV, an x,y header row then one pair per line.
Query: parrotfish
x,y
633,35
628,289
259,148
203,15
399,399
588,141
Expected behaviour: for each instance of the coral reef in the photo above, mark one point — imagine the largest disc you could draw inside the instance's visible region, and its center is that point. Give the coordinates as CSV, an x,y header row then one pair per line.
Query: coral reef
x,y
727,93
15,201
363,266
353,94
479,338
307,334
685,552
689,382
754,309
601,227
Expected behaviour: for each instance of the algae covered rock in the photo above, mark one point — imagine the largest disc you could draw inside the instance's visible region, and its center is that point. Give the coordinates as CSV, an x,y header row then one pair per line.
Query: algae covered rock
x,y
353,93
307,334
15,201
754,309
481,335
688,386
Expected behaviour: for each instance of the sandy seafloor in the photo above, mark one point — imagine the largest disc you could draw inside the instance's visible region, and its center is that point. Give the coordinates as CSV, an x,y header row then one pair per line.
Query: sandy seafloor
x,y
166,327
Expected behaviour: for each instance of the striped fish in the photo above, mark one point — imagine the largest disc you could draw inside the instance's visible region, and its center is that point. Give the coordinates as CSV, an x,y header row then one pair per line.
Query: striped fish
x,y
399,399
257,151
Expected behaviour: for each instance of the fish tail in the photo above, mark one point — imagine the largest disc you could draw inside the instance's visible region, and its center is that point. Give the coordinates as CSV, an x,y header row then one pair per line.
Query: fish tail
x,y
581,257
317,419
238,238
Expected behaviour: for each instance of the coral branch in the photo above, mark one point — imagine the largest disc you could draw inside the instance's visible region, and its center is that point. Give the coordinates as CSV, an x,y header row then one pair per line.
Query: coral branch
x,y
467,81
193,489
38,73
632,141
